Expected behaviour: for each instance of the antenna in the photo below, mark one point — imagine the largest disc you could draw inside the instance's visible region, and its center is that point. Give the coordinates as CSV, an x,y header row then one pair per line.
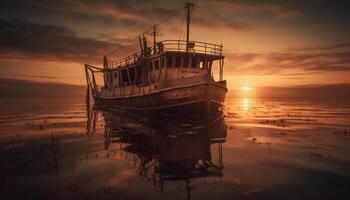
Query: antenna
x,y
188,6
154,33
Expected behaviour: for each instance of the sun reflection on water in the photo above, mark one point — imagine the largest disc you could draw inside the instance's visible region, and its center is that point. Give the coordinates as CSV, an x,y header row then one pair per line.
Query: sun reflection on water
x,y
246,104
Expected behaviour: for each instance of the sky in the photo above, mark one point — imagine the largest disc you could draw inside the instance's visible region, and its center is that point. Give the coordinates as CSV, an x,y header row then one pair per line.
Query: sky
x,y
267,43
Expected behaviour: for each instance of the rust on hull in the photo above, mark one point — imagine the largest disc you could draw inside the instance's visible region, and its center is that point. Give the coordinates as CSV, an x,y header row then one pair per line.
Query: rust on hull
x,y
191,98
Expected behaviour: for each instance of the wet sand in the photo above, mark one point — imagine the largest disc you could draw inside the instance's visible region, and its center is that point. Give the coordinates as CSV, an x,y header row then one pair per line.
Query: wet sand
x,y
260,149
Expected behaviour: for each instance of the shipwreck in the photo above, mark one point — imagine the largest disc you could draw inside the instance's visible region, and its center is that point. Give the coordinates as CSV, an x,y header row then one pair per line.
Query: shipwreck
x,y
169,75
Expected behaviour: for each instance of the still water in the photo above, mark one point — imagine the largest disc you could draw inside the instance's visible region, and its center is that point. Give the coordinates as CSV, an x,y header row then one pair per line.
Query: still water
x,y
259,149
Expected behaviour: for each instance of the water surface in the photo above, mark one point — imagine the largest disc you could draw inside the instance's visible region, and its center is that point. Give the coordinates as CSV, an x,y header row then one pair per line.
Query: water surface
x,y
260,149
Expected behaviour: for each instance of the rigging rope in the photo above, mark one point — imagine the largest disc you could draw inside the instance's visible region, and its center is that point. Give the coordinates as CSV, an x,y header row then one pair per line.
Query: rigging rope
x,y
182,25
147,30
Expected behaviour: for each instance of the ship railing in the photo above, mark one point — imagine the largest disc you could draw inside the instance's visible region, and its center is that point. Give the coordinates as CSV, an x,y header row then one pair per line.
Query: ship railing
x,y
193,46
125,61
170,46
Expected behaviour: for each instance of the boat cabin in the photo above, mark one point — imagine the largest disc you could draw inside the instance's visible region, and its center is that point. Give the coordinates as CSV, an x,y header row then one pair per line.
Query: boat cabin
x,y
164,63
170,74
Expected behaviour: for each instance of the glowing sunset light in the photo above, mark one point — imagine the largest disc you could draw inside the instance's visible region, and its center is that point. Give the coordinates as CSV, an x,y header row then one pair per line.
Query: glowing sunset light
x,y
185,99
245,104
264,47
246,89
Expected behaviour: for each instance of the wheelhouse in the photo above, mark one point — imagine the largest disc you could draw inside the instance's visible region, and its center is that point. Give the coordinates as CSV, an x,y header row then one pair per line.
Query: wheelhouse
x,y
167,61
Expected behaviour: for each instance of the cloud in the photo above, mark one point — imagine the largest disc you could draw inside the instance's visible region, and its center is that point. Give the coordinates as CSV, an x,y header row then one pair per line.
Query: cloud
x,y
37,76
65,30
23,39
329,47
220,20
330,58
135,9
37,30
150,11
77,13
280,9
111,15
28,40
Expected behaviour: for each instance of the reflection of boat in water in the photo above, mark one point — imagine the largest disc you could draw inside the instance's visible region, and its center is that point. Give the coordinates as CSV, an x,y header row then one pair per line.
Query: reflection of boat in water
x,y
170,75
168,152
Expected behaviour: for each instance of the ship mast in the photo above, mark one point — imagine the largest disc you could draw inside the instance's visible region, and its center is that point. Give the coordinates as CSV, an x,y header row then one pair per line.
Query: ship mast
x,y
189,7
154,36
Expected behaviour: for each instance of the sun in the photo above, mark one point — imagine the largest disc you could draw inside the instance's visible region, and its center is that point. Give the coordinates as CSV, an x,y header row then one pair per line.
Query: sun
x,y
246,89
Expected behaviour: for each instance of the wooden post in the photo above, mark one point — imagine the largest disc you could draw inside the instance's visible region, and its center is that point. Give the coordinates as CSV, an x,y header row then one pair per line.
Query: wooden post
x,y
221,62
87,88
129,78
105,67
188,6
87,76
121,84
113,83
95,90
154,36
141,46
208,102
135,79
149,74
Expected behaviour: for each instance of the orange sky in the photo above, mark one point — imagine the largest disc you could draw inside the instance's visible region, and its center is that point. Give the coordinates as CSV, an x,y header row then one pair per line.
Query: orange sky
x,y
266,43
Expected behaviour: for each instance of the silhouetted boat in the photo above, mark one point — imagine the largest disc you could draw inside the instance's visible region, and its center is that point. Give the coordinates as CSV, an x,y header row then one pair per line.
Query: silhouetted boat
x,y
170,75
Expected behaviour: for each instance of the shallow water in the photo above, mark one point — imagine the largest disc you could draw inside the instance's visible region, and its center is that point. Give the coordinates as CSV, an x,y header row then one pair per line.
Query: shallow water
x,y
260,149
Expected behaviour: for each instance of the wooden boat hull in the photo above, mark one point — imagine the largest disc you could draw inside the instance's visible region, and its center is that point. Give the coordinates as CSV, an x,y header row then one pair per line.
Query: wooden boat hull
x,y
199,98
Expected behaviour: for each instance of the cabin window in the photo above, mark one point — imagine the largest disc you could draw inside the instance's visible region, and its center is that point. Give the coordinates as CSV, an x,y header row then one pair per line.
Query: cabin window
x,y
125,79
186,61
145,74
202,64
169,61
177,62
150,64
210,64
139,74
110,79
162,60
156,64
194,63
132,74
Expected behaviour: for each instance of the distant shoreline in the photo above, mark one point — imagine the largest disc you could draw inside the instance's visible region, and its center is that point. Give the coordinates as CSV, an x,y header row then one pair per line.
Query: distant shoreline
x,y
14,88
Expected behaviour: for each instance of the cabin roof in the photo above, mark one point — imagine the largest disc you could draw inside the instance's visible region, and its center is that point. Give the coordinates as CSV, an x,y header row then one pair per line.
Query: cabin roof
x,y
201,55
202,49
